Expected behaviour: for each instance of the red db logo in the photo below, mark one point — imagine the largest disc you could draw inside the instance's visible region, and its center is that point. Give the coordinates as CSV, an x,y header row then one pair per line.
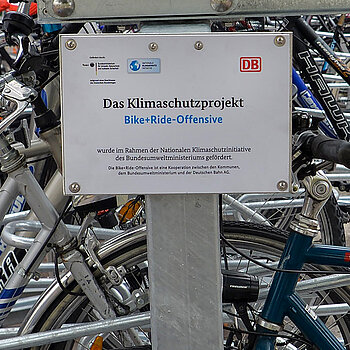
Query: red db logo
x,y
250,64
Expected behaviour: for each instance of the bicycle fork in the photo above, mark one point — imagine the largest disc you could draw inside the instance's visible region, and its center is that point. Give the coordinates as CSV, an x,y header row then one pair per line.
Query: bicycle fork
x,y
282,299
14,164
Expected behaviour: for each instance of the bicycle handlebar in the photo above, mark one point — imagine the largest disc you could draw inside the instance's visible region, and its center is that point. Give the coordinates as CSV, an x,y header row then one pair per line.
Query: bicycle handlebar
x,y
326,148
19,94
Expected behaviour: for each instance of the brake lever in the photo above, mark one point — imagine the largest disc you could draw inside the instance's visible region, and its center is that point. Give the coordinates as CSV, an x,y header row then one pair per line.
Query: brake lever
x,y
21,95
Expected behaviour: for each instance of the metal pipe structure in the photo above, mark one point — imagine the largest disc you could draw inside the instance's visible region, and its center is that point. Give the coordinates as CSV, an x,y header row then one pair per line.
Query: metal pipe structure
x,y
316,284
339,85
339,177
316,111
75,331
331,77
37,148
273,204
121,323
24,304
331,310
49,267
87,10
8,332
330,35
245,211
9,237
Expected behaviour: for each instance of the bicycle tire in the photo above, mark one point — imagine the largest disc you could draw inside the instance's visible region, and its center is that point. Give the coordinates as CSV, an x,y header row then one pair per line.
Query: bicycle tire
x,y
332,223
131,249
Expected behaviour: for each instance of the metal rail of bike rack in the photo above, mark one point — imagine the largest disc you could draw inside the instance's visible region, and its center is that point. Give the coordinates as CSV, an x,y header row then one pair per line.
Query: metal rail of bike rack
x,y
189,215
304,287
104,326
74,331
135,10
8,235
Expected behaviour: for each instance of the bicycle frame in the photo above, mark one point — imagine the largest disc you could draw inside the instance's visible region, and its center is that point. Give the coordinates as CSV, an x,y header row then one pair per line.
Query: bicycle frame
x,y
307,100
10,256
282,300
53,233
310,70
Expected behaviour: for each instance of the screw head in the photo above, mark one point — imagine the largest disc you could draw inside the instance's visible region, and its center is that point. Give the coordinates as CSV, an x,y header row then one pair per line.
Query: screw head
x,y
7,90
295,187
198,45
153,46
282,185
74,187
221,5
140,301
280,40
63,8
71,44
321,188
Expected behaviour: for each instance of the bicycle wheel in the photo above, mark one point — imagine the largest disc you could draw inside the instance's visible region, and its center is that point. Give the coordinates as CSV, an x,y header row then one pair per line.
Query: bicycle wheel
x,y
279,211
56,308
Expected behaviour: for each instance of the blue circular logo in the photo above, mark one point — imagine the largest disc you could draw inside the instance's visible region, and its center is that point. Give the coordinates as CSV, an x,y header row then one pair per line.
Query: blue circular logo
x,y
135,65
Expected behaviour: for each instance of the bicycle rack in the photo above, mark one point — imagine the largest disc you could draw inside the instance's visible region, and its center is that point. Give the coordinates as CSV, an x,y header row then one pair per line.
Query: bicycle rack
x,y
197,207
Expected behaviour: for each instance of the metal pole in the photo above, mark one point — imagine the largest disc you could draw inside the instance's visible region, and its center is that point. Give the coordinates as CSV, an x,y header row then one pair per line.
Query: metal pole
x,y
184,268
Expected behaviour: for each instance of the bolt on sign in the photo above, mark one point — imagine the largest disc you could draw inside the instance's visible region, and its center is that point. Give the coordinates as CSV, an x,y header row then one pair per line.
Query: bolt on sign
x,y
192,113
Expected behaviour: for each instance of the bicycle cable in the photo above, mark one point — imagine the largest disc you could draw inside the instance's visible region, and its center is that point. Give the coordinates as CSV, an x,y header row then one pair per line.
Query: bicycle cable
x,y
221,223
49,80
58,279
39,159
274,269
301,339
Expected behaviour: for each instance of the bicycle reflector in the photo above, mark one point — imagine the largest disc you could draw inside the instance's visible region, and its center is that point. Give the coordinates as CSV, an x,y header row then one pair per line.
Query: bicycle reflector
x,y
130,209
238,286
97,344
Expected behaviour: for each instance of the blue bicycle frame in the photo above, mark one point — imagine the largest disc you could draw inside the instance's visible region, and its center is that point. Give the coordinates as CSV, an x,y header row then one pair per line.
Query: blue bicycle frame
x,y
308,100
282,300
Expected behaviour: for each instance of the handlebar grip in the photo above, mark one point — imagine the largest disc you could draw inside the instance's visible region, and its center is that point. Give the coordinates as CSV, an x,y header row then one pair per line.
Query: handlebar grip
x,y
326,148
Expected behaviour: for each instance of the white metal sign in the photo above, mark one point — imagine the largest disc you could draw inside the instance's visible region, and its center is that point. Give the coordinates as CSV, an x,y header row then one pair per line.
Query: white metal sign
x,y
198,113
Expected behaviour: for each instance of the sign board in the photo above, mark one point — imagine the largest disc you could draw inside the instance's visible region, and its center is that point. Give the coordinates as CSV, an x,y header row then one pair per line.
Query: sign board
x,y
192,113
136,10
